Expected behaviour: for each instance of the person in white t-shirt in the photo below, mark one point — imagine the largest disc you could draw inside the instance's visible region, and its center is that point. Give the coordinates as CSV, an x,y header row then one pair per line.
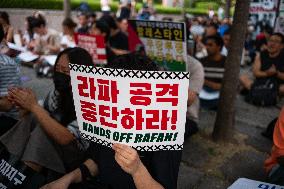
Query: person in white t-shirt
x,y
105,6
47,41
67,40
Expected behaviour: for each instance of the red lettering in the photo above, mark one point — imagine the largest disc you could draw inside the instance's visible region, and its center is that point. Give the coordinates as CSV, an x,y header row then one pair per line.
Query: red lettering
x,y
89,112
150,121
82,86
104,112
127,121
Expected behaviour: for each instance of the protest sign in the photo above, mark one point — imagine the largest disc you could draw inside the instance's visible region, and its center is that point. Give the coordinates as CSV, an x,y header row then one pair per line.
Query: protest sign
x,y
263,13
244,183
281,8
164,42
94,44
143,109
279,26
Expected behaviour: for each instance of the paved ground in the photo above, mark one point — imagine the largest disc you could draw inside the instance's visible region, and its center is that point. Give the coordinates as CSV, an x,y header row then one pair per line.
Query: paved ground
x,y
206,164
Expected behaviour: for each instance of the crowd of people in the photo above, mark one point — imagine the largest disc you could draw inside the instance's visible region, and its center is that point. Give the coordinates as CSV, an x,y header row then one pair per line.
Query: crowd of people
x,y
31,132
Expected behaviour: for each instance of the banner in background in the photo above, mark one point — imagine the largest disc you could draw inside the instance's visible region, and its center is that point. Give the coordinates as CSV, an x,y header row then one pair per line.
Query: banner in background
x,y
164,42
263,12
95,45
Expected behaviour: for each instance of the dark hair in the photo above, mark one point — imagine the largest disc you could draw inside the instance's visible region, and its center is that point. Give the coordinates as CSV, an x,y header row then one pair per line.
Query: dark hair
x,y
103,27
38,22
120,19
69,23
4,15
30,21
268,30
66,107
279,35
110,21
228,31
1,33
133,61
78,55
92,14
217,39
83,14
213,25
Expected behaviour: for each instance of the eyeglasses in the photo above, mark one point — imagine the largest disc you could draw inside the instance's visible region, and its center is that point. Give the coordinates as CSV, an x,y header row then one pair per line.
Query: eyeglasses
x,y
274,41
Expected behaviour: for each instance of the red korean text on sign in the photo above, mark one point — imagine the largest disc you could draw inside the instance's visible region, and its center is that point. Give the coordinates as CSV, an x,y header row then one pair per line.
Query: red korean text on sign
x,y
107,90
142,94
89,111
169,90
154,119
107,112
101,90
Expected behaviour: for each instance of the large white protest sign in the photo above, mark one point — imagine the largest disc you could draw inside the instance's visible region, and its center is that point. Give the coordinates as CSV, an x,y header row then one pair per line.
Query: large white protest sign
x,y
143,109
244,183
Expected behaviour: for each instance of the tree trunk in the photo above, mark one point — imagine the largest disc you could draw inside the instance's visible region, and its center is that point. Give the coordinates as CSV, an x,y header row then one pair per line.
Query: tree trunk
x,y
191,3
67,8
224,125
228,8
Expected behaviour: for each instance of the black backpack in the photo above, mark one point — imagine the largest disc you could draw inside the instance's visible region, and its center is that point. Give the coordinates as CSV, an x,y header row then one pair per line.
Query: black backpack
x,y
263,92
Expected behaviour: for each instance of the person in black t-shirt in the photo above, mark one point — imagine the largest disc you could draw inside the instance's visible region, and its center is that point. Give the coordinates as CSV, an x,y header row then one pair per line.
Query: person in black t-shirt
x,y
122,167
214,70
118,41
268,64
83,23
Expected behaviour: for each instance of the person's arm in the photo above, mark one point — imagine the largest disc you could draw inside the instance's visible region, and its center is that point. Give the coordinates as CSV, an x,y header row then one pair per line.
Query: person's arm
x,y
129,161
191,97
26,99
5,104
257,69
54,44
72,177
280,75
119,51
212,85
10,34
196,80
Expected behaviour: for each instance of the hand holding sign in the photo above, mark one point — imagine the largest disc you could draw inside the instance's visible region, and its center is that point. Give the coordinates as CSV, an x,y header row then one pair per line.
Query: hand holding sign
x,y
127,158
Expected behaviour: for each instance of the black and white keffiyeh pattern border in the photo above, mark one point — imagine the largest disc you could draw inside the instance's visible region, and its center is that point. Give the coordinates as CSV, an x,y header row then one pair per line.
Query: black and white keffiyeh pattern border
x,y
129,73
160,147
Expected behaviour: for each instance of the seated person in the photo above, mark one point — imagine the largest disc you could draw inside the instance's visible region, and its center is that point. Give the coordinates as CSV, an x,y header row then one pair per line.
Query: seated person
x,y
8,29
268,64
214,69
210,30
122,166
83,27
50,131
68,38
9,77
274,165
47,41
196,82
118,40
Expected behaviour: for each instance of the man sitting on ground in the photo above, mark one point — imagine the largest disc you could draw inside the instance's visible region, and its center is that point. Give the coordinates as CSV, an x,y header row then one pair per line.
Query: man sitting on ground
x,y
268,64
214,70
9,77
